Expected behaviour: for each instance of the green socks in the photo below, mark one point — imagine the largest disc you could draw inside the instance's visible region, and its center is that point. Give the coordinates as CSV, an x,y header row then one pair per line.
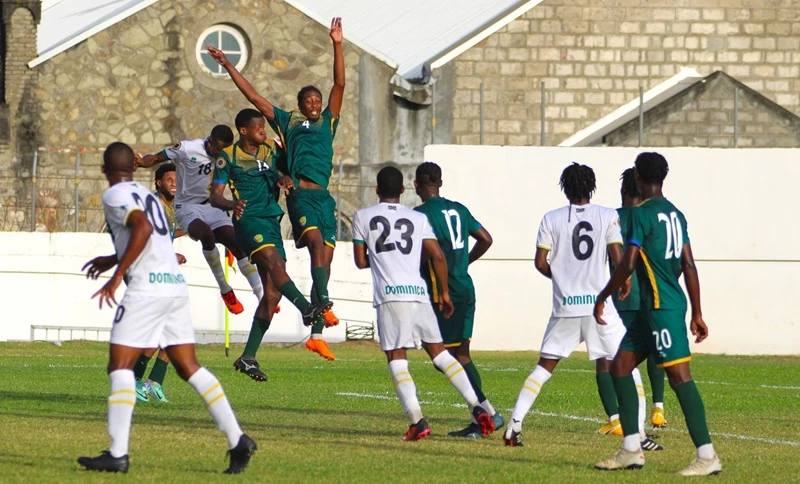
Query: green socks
x,y
316,328
656,376
605,387
475,380
141,366
257,330
628,404
694,411
320,277
294,295
159,371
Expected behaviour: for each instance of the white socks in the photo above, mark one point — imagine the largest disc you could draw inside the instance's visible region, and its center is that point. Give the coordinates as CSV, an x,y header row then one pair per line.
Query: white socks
x,y
706,451
637,380
527,395
210,390
251,273
454,372
405,388
215,263
120,410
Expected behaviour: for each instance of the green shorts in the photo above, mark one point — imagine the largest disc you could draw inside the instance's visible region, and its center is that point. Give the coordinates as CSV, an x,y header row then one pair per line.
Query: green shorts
x,y
255,233
312,209
660,332
458,327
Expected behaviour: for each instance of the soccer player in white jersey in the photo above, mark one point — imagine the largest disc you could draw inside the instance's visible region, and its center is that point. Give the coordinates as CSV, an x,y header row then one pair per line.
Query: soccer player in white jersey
x,y
392,240
154,312
194,160
577,238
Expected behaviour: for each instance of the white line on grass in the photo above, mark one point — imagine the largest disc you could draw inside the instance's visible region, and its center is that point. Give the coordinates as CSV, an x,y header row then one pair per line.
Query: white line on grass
x,y
780,388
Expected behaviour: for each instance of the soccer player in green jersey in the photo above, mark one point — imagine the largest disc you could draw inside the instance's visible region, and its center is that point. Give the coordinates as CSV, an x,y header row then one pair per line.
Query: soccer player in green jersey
x,y
658,250
307,136
451,221
628,307
247,166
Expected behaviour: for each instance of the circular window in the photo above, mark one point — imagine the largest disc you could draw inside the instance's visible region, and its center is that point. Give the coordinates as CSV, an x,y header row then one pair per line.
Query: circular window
x,y
229,40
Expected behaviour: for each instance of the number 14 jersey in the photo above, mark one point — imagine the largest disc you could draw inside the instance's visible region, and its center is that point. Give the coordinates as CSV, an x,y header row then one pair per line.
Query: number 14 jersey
x,y
393,235
577,237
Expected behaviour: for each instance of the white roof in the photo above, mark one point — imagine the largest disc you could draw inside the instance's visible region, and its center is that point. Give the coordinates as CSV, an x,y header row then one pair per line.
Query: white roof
x,y
68,22
407,34
593,134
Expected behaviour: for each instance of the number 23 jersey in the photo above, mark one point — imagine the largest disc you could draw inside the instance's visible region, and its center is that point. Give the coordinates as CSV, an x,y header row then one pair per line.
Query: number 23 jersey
x,y
577,237
155,272
393,235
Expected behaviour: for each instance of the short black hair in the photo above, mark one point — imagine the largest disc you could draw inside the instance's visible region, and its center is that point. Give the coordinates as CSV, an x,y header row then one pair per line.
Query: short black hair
x,y
245,117
390,182
305,90
652,168
222,133
163,170
118,157
577,181
429,173
629,187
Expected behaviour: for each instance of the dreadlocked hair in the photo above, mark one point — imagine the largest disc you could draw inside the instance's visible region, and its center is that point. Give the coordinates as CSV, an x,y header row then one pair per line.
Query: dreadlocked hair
x,y
629,187
429,173
652,168
577,182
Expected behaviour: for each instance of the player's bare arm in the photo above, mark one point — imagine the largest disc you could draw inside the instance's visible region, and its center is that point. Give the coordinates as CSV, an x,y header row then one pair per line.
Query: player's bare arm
x,y
615,255
433,252
541,263
147,161
256,99
217,199
337,91
621,273
99,265
285,183
141,229
360,256
689,269
483,240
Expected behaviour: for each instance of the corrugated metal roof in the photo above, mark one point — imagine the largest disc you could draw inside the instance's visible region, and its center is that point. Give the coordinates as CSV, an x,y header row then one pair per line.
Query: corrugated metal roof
x,y
407,34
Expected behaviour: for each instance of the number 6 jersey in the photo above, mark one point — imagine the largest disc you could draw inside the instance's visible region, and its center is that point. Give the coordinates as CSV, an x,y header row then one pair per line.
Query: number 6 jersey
x,y
155,272
393,235
577,237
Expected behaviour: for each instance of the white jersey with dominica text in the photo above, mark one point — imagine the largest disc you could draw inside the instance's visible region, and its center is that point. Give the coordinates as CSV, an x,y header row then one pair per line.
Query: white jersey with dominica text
x,y
155,272
577,237
194,169
393,235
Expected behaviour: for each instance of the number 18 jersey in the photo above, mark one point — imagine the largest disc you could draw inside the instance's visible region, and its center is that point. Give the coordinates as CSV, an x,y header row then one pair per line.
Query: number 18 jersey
x,y
577,237
193,168
393,235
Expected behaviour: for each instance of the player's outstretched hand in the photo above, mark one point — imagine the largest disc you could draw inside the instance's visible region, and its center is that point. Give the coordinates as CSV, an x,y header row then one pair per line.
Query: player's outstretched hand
x,y
106,292
598,311
217,55
99,265
699,328
238,210
286,183
336,30
446,305
181,258
625,290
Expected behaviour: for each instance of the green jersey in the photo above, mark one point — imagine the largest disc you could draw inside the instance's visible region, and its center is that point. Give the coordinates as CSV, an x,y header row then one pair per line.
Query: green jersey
x,y
658,228
308,144
251,177
631,303
452,223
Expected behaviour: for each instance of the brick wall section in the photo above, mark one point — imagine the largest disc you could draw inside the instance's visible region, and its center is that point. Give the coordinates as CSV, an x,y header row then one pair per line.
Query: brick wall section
x,y
593,55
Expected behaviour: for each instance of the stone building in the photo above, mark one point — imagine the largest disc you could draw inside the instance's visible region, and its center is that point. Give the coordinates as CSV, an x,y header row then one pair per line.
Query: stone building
x,y
134,71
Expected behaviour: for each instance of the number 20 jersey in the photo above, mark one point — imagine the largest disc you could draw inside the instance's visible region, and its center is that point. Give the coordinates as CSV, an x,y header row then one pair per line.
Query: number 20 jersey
x,y
577,237
393,235
155,272
194,169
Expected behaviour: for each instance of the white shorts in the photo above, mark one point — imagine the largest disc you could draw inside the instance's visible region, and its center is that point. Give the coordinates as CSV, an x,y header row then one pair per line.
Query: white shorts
x,y
563,335
152,322
187,213
401,324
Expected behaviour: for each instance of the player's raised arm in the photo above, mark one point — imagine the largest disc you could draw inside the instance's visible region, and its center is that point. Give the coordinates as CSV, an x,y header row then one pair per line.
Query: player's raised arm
x,y
337,91
147,161
432,251
697,325
483,240
256,99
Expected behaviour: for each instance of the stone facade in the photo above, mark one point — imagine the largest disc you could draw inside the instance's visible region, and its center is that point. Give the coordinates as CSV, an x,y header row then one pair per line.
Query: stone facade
x,y
592,56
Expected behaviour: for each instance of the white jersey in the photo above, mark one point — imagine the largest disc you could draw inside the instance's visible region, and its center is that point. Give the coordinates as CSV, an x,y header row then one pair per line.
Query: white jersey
x,y
577,237
393,235
155,272
194,169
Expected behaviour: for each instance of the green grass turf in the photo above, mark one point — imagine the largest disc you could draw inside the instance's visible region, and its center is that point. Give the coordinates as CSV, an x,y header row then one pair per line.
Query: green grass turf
x,y
340,421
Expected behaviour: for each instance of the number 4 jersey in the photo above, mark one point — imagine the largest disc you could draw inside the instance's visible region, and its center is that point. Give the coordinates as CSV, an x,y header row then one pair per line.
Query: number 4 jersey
x,y
155,272
577,237
393,235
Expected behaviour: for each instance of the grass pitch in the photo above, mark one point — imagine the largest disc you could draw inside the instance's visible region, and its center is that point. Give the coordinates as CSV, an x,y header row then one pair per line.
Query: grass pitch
x,y
340,421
